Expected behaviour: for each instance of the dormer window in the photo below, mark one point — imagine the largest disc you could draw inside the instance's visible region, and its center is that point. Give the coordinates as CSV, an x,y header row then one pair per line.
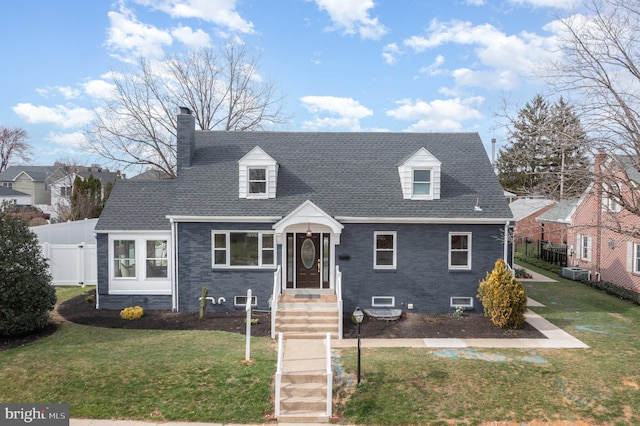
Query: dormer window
x,y
421,183
257,182
258,175
420,176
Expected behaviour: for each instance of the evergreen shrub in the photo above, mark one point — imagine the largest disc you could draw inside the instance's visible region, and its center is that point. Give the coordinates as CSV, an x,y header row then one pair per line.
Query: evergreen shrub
x,y
503,297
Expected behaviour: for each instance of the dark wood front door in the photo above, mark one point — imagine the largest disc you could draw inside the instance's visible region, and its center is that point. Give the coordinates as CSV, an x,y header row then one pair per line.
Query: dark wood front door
x,y
308,261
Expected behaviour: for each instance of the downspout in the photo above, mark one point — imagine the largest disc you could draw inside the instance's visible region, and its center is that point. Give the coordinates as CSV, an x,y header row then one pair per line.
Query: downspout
x,y
505,255
174,274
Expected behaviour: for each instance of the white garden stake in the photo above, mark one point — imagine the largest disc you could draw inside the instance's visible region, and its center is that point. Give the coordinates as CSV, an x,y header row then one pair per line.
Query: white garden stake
x,y
248,345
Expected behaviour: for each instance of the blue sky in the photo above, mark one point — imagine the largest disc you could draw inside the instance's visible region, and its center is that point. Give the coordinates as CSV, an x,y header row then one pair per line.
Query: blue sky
x,y
341,65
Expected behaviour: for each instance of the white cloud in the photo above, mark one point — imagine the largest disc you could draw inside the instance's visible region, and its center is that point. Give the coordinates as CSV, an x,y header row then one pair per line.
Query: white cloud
x,y
99,89
67,92
434,67
476,2
353,17
59,115
347,111
556,4
218,12
389,53
127,36
501,57
193,39
439,114
71,140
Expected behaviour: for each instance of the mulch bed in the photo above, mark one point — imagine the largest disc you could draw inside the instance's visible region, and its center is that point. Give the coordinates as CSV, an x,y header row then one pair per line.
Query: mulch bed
x,y
410,325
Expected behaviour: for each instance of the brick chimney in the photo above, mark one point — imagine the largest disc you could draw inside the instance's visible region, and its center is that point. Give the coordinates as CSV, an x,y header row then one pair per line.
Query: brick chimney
x,y
598,162
186,138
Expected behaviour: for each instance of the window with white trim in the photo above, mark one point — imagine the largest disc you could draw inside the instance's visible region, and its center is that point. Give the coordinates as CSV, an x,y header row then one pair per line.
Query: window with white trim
x,y
636,258
461,302
421,183
139,264
460,250
383,301
585,247
257,182
242,301
243,249
609,199
384,249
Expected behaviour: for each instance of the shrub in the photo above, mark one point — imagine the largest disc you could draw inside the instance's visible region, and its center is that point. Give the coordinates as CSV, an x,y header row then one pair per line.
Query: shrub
x,y
503,297
131,313
203,301
26,293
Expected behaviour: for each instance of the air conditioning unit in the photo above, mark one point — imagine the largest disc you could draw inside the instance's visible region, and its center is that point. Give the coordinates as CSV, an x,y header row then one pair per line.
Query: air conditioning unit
x,y
576,274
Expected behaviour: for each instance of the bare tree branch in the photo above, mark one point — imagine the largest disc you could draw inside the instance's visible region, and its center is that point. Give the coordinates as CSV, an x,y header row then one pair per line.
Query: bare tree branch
x,y
13,146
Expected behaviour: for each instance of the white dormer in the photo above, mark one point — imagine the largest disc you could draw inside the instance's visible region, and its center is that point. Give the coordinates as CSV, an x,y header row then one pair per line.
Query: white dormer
x,y
258,174
420,176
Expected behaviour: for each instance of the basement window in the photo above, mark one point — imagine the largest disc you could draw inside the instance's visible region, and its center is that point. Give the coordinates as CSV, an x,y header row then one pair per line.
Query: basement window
x,y
383,301
462,302
242,301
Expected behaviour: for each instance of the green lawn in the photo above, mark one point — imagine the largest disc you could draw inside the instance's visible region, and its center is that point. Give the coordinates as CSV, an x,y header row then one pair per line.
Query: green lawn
x,y
200,376
601,383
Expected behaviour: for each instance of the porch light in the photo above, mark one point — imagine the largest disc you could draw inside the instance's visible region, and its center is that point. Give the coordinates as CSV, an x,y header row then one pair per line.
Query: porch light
x,y
309,233
358,316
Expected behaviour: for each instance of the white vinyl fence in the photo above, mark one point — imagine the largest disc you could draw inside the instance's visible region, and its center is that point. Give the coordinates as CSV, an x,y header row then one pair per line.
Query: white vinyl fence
x,y
70,249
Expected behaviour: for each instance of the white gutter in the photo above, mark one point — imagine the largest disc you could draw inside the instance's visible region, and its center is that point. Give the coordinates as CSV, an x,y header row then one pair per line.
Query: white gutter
x,y
174,273
232,219
424,220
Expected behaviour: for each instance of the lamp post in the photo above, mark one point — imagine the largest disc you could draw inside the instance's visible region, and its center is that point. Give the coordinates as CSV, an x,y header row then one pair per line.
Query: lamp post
x,y
358,316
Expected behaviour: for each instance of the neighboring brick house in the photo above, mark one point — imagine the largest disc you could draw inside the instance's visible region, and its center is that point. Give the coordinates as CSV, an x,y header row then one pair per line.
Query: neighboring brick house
x,y
525,212
392,220
600,228
554,222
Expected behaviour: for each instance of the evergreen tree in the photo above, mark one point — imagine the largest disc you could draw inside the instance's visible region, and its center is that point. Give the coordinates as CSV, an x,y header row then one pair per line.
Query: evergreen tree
x,y
86,198
548,154
26,294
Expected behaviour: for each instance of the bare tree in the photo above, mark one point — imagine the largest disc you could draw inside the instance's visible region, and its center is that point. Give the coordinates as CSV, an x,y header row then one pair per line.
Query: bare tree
x,y
137,126
13,146
600,64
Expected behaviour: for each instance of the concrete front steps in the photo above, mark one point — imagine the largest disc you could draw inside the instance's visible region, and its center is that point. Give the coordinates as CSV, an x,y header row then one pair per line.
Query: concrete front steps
x,y
303,388
310,317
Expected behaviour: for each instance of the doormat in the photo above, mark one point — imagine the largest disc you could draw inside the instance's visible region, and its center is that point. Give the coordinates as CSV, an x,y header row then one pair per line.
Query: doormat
x,y
307,296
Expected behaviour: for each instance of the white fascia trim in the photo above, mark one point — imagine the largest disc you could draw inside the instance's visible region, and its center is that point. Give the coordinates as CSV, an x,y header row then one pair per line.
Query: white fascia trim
x,y
424,220
134,231
232,219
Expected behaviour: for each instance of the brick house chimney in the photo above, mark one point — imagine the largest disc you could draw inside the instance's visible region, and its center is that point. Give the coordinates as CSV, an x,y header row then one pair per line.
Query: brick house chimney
x,y
186,138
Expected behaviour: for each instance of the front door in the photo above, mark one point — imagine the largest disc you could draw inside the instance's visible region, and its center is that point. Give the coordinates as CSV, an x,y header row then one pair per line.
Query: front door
x,y
308,261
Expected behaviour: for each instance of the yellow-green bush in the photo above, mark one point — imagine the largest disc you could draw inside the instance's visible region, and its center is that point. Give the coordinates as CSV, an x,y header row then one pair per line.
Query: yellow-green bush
x,y
503,297
131,313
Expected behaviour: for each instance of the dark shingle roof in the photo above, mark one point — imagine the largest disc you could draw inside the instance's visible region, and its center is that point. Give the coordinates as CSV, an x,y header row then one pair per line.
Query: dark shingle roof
x,y
37,173
345,174
137,205
9,192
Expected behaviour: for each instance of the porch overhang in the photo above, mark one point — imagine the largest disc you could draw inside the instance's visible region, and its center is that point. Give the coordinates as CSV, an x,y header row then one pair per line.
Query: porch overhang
x,y
307,214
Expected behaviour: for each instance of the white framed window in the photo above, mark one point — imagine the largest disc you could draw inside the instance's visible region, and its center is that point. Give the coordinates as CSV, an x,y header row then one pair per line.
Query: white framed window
x,y
139,263
421,183
242,301
585,247
461,302
384,249
257,182
636,258
383,301
460,250
609,200
243,249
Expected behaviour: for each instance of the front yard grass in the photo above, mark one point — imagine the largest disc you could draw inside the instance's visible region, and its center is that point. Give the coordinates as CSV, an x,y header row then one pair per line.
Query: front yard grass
x,y
200,376
600,384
